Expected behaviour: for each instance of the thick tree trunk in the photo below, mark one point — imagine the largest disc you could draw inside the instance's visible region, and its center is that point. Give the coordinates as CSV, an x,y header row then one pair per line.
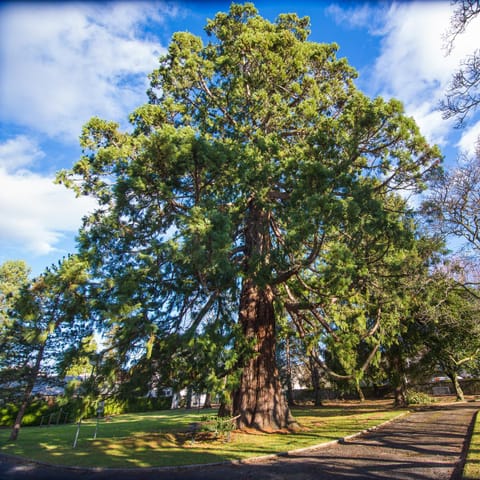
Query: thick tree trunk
x,y
259,399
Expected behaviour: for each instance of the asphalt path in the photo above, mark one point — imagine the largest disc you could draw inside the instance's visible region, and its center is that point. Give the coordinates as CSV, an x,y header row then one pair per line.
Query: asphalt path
x,y
425,445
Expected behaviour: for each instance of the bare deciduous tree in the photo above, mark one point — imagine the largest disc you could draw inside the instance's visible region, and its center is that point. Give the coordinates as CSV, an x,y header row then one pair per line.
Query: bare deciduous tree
x,y
463,95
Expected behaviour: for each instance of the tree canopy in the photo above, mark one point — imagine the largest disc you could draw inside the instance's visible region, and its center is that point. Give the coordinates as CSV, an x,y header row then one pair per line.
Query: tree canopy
x,y
48,313
257,181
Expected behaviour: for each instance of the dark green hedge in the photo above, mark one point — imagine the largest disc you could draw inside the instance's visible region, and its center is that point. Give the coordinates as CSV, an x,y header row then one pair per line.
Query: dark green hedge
x,y
33,414
79,407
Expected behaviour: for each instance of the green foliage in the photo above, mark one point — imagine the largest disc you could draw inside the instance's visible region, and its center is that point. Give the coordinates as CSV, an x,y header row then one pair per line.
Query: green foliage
x,y
257,163
220,426
418,398
86,408
13,276
78,359
471,470
78,408
158,438
33,414
448,322
13,279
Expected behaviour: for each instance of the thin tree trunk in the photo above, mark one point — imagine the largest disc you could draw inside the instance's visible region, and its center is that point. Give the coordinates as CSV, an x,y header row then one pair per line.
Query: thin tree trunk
x,y
188,399
359,390
290,399
315,374
26,395
21,412
398,378
456,386
208,400
259,399
225,408
400,399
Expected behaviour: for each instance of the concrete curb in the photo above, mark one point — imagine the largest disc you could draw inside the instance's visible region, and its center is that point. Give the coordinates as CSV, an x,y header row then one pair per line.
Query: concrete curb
x,y
319,445
245,461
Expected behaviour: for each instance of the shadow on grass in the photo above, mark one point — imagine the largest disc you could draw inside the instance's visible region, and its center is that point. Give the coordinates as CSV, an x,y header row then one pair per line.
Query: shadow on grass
x,y
161,439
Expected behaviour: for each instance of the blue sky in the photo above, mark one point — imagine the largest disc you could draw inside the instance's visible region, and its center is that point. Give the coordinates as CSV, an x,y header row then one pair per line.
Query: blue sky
x,y
62,63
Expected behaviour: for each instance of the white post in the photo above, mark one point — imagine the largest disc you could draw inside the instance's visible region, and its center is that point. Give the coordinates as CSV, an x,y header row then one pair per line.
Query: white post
x,y
76,434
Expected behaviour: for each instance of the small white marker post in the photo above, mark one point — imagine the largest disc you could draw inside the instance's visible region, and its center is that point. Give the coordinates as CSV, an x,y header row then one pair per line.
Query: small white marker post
x,y
99,413
77,433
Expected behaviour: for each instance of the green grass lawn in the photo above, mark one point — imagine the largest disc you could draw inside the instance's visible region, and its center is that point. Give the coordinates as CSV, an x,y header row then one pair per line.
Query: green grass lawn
x,y
471,470
160,438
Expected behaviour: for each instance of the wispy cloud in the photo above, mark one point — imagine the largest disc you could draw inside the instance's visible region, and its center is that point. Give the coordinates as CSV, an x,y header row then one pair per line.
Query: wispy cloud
x,y
18,152
367,15
469,141
413,65
62,63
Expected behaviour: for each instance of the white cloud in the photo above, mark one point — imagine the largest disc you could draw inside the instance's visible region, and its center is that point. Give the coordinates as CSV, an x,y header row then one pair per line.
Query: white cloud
x,y
62,63
429,118
19,152
35,214
469,141
360,16
413,65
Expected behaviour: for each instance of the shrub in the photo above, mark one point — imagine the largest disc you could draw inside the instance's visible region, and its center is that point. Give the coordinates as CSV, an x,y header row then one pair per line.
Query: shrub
x,y
86,407
79,407
33,414
116,406
221,426
418,398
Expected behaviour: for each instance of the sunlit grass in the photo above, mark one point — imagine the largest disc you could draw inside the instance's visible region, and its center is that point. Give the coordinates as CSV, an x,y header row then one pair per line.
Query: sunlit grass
x,y
162,438
471,470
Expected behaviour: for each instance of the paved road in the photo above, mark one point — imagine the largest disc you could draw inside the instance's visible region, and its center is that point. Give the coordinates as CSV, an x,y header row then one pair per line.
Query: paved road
x,y
426,445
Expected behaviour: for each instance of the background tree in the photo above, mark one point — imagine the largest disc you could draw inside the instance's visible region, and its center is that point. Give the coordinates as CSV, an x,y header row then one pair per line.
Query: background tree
x,y
77,360
408,285
54,301
450,329
14,276
453,203
254,154
463,96
369,278
291,359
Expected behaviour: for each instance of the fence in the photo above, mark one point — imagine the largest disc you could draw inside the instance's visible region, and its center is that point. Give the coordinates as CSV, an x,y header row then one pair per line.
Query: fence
x,y
55,418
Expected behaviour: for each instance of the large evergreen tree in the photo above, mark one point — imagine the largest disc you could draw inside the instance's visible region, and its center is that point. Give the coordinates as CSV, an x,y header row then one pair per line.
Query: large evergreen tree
x,y
254,157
